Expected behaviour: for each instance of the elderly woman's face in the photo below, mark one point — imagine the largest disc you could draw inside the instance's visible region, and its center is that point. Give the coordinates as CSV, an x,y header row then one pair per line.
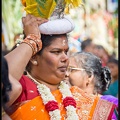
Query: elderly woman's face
x,y
53,62
77,76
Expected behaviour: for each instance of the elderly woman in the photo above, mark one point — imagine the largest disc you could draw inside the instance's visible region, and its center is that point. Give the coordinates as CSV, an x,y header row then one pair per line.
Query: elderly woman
x,y
85,71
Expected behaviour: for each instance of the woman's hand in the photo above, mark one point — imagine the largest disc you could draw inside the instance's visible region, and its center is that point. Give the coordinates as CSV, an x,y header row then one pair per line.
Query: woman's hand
x,y
31,24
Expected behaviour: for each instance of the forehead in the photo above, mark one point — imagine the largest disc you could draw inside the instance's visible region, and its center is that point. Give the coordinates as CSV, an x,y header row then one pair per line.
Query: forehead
x,y
72,62
60,41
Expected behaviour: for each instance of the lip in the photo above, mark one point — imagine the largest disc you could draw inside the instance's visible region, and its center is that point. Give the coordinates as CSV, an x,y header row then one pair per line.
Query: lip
x,y
63,68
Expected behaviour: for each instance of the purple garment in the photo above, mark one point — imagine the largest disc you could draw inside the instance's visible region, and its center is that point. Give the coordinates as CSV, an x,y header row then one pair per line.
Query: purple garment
x,y
112,99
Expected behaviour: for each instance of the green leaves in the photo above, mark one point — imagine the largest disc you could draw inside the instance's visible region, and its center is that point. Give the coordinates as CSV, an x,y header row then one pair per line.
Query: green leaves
x,y
12,14
41,4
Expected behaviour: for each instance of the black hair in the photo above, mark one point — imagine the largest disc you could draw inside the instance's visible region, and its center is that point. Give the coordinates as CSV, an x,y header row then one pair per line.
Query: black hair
x,y
113,60
5,82
92,65
85,43
46,41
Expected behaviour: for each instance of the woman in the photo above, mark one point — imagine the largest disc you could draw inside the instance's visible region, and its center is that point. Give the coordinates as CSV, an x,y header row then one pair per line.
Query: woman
x,y
85,71
44,94
45,70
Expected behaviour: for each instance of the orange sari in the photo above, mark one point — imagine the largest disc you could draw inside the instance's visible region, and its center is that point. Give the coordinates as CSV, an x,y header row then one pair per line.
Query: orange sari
x,y
89,107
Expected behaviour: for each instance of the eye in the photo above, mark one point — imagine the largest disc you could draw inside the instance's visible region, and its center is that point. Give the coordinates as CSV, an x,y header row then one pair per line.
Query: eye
x,y
73,70
56,52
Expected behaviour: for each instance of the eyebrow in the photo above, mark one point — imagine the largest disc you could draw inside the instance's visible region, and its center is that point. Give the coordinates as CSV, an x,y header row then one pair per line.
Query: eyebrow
x,y
60,49
75,68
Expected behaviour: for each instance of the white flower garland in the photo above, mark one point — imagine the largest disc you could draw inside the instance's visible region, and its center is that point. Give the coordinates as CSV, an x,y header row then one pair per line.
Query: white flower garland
x,y
71,111
49,99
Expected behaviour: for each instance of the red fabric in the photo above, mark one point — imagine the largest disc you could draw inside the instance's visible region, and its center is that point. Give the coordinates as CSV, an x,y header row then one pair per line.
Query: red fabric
x,y
29,90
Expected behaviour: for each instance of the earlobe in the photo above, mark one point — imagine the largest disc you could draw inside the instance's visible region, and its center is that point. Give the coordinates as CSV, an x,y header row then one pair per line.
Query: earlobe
x,y
90,79
34,61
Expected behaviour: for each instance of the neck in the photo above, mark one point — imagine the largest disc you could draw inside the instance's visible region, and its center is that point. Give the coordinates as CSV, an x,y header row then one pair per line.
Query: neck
x,y
52,87
89,89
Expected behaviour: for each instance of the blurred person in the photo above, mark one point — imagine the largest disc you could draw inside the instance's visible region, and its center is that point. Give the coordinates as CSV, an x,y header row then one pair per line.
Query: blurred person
x,y
100,51
113,88
10,88
5,88
87,45
85,71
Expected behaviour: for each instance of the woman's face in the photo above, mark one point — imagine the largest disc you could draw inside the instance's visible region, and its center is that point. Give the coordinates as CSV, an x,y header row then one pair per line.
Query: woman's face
x,y
53,62
77,77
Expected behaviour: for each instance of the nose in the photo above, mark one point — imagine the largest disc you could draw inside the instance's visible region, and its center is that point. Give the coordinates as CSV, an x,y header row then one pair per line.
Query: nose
x,y
64,57
66,75
66,79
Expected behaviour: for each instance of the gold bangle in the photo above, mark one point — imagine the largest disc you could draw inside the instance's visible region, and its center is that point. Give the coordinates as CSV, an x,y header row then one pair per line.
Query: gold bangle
x,y
34,42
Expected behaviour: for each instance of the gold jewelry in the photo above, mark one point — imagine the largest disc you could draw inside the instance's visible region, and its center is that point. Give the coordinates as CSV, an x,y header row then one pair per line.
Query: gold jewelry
x,y
34,42
3,112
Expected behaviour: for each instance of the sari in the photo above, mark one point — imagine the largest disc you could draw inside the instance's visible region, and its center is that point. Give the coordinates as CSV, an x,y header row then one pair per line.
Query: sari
x,y
89,107
114,100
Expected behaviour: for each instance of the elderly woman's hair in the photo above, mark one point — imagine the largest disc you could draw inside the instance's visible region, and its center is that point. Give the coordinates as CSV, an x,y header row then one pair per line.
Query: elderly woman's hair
x,y
5,81
92,65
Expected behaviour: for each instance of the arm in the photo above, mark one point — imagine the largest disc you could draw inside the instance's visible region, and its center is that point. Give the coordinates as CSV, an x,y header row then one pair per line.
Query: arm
x,y
18,59
20,56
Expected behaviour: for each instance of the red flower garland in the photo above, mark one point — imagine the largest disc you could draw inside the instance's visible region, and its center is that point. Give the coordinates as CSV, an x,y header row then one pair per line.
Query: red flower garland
x,y
69,101
51,106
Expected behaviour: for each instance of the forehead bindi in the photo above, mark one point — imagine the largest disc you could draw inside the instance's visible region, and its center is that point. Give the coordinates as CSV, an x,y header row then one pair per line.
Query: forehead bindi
x,y
64,42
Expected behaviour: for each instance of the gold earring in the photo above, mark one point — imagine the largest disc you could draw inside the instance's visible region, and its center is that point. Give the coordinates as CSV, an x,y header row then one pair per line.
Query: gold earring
x,y
35,62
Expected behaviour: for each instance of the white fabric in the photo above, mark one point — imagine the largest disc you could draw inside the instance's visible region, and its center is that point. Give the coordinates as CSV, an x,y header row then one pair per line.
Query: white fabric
x,y
58,26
